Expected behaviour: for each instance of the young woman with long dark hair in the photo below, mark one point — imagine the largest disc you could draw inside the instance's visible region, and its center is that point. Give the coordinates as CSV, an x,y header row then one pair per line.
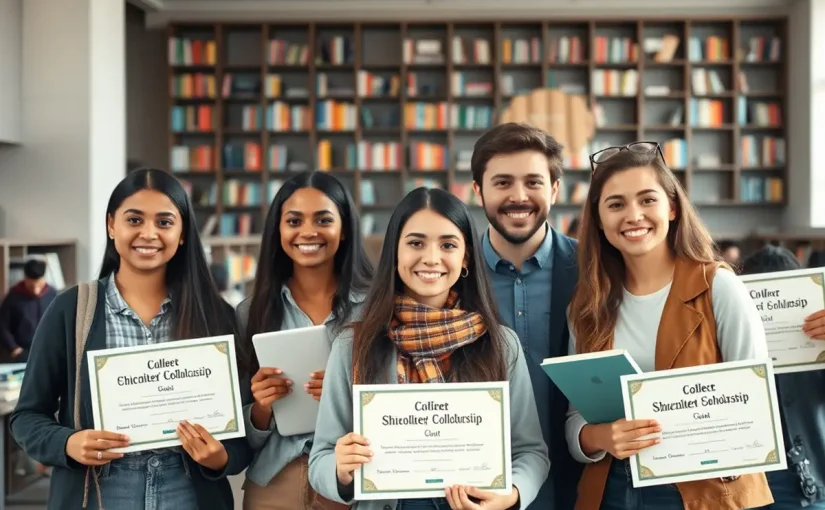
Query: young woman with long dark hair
x,y
154,286
651,282
312,270
429,317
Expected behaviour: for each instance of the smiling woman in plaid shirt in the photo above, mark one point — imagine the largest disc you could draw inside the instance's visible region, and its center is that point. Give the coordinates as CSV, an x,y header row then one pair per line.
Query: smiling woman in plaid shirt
x,y
154,286
428,318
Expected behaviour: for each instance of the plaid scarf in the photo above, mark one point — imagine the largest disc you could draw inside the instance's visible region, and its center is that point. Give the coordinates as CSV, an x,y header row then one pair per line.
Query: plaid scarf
x,y
425,337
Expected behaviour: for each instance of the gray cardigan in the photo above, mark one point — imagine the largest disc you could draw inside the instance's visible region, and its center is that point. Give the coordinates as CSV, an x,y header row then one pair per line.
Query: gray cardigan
x,y
531,463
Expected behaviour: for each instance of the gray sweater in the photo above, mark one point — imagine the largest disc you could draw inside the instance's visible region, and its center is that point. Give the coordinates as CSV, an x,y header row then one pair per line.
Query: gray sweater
x,y
530,460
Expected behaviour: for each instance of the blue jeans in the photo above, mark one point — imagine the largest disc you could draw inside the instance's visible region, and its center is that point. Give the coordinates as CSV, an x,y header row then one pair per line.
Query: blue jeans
x,y
423,504
145,481
619,493
787,492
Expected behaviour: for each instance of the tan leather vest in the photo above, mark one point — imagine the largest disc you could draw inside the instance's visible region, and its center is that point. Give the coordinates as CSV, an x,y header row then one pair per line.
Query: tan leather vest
x,y
687,337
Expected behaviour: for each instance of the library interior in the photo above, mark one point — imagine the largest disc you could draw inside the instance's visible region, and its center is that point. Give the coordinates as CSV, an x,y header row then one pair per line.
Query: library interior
x,y
234,96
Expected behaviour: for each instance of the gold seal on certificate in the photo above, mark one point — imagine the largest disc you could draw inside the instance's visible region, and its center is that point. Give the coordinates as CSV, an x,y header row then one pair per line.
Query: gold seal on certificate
x,y
426,437
717,420
783,300
145,391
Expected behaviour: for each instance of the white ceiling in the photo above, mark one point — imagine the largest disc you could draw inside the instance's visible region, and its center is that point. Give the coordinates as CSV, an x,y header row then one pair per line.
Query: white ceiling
x,y
163,11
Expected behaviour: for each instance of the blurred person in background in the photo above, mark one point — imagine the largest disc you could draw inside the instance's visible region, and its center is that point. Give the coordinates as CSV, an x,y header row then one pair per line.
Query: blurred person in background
x,y
573,228
731,252
221,276
22,309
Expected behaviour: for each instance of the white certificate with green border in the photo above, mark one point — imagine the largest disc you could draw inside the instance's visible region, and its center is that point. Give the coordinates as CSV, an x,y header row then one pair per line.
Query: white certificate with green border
x,y
783,300
145,391
426,437
717,421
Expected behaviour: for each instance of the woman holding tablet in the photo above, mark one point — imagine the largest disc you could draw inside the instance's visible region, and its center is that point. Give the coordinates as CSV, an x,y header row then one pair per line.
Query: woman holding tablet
x,y
651,283
312,270
154,287
429,318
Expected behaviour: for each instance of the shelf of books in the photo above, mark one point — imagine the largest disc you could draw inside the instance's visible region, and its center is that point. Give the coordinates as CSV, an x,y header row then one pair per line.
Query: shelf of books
x,y
387,107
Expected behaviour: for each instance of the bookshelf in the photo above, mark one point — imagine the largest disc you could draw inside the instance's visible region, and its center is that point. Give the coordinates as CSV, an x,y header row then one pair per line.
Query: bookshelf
x,y
388,106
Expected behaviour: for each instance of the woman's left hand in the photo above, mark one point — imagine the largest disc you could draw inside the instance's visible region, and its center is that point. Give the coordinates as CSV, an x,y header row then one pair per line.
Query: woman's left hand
x,y
315,384
458,496
202,447
814,325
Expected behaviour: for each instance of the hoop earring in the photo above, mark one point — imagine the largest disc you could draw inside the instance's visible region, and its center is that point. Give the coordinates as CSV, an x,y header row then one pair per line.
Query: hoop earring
x,y
465,272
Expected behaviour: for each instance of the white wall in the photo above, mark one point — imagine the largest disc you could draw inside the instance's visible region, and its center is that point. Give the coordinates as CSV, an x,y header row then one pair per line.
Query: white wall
x,y
10,57
57,183
107,137
817,109
798,119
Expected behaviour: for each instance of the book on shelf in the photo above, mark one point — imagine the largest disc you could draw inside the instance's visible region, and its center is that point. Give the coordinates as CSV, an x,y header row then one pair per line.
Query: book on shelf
x,y
471,51
528,51
192,52
422,51
567,50
614,50
714,48
287,53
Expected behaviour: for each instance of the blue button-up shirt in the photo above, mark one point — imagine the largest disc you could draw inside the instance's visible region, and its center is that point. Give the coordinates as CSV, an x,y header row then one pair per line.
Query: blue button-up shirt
x,y
523,298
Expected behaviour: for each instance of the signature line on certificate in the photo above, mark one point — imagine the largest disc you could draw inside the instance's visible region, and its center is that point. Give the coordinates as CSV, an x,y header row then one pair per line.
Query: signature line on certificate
x,y
688,424
154,395
431,440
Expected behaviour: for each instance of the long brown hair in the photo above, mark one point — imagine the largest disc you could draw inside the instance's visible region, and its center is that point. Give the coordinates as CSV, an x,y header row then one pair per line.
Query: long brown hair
x,y
595,303
481,361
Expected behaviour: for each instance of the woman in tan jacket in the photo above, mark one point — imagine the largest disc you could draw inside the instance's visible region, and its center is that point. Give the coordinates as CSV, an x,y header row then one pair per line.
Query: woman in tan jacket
x,y
648,271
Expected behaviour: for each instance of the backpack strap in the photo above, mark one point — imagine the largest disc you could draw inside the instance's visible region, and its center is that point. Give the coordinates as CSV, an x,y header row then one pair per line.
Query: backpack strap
x,y
86,305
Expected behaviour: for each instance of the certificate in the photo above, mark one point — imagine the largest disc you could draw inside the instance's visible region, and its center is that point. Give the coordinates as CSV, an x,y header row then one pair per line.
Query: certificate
x,y
426,437
145,391
717,421
784,299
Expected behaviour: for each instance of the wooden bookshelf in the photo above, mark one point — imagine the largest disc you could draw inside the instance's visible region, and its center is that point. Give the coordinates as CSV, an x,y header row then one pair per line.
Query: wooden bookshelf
x,y
718,156
13,250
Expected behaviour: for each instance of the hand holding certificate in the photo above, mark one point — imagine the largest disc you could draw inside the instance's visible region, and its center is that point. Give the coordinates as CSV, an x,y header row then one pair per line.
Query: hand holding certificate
x,y
784,300
717,421
145,392
418,440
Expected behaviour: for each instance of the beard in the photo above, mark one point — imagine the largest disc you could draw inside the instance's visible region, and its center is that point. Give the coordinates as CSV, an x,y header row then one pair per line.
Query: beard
x,y
512,237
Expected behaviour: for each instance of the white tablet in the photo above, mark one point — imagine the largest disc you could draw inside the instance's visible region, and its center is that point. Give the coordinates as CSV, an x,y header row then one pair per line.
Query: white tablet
x,y
297,352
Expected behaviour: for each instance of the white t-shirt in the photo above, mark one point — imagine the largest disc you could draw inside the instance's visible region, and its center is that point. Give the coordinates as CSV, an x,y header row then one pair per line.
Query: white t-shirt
x,y
739,333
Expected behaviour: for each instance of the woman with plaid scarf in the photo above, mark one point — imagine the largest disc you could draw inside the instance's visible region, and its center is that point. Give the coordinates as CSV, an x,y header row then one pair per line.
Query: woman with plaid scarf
x,y
429,318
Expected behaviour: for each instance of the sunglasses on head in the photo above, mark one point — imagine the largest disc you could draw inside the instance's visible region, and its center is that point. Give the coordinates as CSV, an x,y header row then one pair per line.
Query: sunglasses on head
x,y
603,155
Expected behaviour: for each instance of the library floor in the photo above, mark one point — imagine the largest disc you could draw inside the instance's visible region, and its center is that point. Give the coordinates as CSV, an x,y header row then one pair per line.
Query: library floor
x,y
25,499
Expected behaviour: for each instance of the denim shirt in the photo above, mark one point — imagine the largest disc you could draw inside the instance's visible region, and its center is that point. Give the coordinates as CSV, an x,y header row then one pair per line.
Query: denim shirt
x,y
524,299
802,410
273,451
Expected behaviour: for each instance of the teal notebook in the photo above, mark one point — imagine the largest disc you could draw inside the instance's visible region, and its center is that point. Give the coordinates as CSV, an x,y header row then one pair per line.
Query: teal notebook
x,y
592,382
